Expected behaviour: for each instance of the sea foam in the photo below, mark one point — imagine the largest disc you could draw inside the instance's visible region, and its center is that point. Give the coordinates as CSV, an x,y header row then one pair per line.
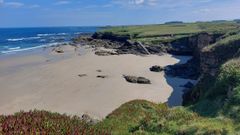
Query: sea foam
x,y
24,38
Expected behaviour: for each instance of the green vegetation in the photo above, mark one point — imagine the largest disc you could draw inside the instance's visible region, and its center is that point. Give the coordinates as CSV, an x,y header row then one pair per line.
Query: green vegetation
x,y
143,117
43,122
230,39
136,117
156,34
222,98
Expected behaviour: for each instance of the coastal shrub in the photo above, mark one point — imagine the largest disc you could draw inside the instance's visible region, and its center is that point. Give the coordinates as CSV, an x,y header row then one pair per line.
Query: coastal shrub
x,y
141,117
43,122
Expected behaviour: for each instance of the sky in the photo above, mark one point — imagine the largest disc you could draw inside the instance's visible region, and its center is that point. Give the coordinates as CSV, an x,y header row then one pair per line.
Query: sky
x,y
34,13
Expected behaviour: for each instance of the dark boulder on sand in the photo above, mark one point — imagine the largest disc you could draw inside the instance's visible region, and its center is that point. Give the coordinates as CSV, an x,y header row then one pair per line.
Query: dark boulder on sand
x,y
156,68
139,80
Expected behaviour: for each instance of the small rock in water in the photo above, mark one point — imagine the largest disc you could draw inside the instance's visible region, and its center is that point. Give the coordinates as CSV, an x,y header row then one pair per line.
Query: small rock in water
x,y
139,80
156,68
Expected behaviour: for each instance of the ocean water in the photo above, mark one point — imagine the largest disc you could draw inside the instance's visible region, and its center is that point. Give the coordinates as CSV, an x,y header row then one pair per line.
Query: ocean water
x,y
13,40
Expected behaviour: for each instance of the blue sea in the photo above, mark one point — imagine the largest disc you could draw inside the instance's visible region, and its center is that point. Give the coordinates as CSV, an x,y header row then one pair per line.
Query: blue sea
x,y
13,40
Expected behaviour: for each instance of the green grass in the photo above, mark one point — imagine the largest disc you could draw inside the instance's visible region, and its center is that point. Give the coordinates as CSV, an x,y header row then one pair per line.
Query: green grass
x,y
143,117
228,40
155,34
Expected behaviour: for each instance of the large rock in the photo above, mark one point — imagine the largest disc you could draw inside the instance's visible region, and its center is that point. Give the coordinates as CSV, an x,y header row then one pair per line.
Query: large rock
x,y
156,68
139,80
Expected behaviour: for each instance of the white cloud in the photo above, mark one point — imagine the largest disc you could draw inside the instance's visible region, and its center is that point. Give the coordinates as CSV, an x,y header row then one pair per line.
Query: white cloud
x,y
133,3
34,6
62,2
1,2
14,4
139,2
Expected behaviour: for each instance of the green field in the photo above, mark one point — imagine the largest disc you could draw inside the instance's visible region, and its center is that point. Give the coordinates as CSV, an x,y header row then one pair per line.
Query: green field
x,y
155,34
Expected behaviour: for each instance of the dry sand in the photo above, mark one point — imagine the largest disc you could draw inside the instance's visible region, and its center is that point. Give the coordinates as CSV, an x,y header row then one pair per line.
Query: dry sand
x,y
33,82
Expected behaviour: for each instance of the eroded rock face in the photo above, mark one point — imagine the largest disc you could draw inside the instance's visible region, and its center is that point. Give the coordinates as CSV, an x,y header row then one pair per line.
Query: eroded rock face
x,y
139,80
211,59
156,68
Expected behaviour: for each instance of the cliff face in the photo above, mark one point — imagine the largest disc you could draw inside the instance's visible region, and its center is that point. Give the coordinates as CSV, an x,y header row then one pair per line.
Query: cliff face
x,y
211,57
191,45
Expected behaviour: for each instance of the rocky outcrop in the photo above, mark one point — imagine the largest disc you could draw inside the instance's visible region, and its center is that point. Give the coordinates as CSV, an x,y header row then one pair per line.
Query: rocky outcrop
x,y
133,48
210,60
105,53
193,46
121,47
110,36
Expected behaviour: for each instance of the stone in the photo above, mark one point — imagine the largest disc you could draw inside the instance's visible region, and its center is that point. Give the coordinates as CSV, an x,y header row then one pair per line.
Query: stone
x,y
139,80
59,50
102,76
99,70
82,75
86,118
142,80
156,68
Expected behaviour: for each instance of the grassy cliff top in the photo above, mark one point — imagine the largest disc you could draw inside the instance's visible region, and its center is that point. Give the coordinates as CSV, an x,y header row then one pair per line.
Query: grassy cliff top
x,y
162,33
147,118
141,31
232,39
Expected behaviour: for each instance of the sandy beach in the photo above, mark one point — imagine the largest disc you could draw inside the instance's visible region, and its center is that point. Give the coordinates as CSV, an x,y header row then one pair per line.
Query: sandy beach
x,y
68,83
